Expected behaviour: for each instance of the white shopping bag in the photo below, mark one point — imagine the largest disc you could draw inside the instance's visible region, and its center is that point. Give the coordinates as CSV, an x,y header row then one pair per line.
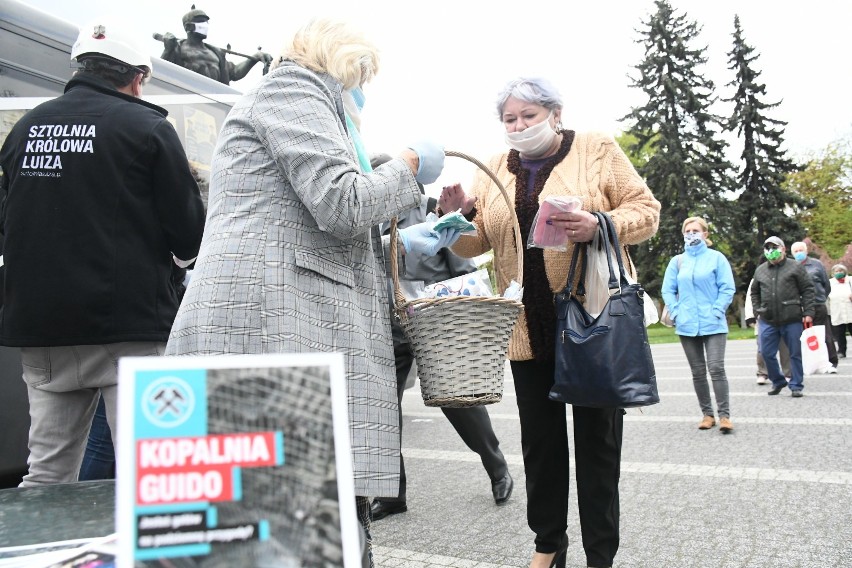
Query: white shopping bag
x,y
814,350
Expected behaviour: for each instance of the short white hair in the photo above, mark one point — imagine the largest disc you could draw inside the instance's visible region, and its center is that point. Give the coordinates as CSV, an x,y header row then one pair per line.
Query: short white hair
x,y
536,90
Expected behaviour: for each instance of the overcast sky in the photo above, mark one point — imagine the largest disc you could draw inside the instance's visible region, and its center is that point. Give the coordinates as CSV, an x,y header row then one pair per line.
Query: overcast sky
x,y
443,61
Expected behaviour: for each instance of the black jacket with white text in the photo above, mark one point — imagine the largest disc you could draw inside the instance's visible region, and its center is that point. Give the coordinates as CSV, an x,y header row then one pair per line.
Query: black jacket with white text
x,y
97,196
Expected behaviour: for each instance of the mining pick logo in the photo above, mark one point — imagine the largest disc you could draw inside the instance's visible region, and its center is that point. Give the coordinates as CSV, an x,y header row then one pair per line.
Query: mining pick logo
x,y
168,402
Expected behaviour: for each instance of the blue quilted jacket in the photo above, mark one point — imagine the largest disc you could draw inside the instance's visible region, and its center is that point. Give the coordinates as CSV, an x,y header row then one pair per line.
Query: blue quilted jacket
x,y
698,290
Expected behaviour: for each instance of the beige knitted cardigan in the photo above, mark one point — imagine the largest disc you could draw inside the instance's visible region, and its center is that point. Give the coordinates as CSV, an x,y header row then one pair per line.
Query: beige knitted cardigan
x,y
596,170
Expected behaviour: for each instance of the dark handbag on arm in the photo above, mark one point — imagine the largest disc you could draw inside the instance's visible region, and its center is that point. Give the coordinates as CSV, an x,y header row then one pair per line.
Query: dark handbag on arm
x,y
603,362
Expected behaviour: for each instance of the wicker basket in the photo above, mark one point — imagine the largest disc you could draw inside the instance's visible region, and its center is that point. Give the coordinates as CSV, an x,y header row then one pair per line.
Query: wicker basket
x,y
459,342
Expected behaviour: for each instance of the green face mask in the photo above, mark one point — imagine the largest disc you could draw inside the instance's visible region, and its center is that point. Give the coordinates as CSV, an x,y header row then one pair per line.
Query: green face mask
x,y
840,275
773,254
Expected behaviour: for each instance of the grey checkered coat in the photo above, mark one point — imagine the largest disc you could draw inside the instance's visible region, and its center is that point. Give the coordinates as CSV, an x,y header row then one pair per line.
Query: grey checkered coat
x,y
291,260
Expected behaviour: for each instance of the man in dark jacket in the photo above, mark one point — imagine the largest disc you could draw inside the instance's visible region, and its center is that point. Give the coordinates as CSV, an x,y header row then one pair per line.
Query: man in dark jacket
x,y
473,424
100,210
782,295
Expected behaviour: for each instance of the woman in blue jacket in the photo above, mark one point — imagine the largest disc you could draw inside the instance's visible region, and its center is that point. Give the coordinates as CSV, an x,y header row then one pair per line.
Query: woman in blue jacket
x,y
698,287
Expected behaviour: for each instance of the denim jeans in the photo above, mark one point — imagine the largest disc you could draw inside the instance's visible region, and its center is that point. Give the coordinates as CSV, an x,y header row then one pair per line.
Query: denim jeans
x,y
770,336
63,385
714,346
99,459
783,354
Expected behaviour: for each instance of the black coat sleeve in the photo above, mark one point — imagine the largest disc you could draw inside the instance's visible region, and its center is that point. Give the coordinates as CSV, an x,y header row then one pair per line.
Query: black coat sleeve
x,y
176,194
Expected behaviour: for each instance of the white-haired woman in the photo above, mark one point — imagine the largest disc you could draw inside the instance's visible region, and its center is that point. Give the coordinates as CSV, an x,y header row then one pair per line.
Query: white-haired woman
x,y
548,160
291,258
840,306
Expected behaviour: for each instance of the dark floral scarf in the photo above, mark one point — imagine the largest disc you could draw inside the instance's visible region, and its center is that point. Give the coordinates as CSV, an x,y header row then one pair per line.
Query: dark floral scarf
x,y
538,298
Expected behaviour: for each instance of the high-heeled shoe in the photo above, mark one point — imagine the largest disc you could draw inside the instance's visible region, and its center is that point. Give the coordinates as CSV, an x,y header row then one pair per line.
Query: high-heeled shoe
x,y
561,556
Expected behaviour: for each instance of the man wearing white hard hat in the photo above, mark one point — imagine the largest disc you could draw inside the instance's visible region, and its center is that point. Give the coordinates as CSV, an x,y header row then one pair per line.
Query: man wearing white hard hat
x,y
100,213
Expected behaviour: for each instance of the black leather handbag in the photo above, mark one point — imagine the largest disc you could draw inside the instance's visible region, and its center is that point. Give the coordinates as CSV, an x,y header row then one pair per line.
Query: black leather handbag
x,y
603,362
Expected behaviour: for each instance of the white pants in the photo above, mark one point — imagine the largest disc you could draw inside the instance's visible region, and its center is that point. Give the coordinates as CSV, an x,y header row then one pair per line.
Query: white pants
x,y
63,385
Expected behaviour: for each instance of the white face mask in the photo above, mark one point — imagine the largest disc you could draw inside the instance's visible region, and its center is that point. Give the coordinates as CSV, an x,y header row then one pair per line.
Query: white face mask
x,y
202,28
535,141
693,238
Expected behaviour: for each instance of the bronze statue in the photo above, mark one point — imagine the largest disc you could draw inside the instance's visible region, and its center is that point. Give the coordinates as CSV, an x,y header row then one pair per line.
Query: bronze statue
x,y
196,55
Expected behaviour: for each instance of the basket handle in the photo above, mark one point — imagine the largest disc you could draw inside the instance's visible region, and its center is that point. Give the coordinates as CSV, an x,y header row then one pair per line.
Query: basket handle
x,y
399,297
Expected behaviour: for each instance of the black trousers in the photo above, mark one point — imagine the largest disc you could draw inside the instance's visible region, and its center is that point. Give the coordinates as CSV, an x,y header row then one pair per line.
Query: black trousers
x,y
472,424
839,334
821,317
597,453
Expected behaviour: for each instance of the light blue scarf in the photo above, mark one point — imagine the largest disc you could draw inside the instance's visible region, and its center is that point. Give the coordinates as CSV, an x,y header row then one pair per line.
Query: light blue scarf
x,y
363,156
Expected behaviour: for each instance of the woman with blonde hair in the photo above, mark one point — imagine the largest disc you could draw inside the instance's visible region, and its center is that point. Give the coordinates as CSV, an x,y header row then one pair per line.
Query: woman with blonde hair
x,y
698,288
291,259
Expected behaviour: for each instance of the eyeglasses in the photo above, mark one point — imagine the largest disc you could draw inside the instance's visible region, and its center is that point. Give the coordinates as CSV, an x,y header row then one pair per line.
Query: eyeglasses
x,y
770,246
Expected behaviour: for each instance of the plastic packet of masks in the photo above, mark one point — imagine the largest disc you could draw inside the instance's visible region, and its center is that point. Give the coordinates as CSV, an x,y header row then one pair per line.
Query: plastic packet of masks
x,y
546,236
455,220
474,284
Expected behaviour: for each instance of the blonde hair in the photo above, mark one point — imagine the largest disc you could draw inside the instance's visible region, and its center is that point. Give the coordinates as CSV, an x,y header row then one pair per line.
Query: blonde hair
x,y
701,223
841,267
334,47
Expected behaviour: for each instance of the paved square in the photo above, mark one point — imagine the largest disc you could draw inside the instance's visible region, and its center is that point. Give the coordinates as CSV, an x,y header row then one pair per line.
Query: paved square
x,y
777,492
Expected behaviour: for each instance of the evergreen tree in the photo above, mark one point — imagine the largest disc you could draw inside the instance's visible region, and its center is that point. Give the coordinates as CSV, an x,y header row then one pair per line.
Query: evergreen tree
x,y
764,206
686,168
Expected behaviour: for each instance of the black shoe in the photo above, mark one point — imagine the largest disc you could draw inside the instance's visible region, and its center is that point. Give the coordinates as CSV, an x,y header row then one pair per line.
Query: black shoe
x,y
381,509
797,394
561,556
502,489
775,390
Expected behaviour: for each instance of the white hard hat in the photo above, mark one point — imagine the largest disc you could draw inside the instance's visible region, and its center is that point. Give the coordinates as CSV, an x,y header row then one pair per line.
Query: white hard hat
x,y
102,39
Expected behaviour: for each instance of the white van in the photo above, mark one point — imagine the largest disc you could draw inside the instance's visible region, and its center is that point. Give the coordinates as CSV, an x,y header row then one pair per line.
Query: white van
x,y
35,64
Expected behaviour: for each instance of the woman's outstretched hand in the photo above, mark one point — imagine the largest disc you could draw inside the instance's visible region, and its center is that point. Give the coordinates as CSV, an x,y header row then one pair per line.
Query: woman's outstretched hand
x,y
454,198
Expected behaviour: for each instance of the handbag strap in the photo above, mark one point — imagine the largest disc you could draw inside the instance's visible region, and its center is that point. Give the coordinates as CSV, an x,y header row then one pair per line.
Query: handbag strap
x,y
604,241
616,247
574,256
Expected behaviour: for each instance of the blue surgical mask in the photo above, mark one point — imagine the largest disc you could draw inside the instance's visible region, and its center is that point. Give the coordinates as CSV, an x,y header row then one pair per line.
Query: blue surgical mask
x,y
693,238
358,96
800,256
